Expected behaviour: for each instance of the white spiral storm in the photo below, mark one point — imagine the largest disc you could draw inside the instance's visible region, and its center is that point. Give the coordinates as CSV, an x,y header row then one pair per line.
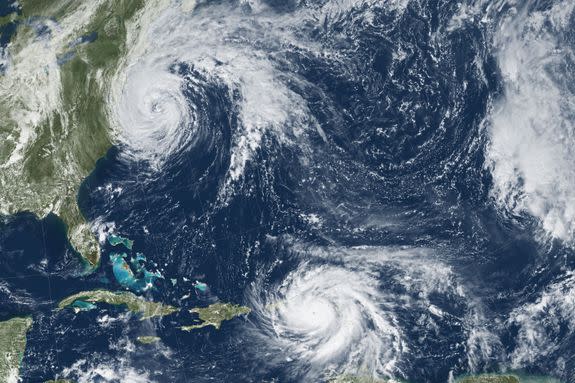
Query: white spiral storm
x,y
155,119
343,311
334,315
153,111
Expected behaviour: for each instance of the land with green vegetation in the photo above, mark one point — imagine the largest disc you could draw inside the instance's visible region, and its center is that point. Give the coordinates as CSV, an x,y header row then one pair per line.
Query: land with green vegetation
x,y
9,18
215,314
53,118
147,309
116,240
483,378
12,347
489,378
148,339
515,377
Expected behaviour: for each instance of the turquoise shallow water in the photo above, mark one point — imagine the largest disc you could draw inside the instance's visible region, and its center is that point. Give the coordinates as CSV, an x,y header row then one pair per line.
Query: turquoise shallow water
x,y
133,275
83,306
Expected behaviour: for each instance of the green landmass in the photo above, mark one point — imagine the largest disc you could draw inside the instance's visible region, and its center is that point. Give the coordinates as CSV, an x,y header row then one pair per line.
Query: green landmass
x,y
515,377
148,339
12,347
147,309
53,119
490,378
212,315
215,314
116,240
482,378
9,18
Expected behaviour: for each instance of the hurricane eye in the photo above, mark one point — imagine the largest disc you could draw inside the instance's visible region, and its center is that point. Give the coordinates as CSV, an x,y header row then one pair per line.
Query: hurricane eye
x,y
157,107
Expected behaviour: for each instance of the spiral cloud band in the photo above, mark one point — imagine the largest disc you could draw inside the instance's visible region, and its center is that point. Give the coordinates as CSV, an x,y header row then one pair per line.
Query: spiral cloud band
x,y
154,116
153,112
350,308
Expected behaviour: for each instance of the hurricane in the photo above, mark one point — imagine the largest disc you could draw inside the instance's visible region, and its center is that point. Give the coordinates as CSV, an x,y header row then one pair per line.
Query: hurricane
x,y
186,54
326,315
156,117
347,310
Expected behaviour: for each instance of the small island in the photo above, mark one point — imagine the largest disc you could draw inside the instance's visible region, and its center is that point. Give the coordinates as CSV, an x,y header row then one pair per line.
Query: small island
x,y
12,347
147,339
116,240
134,303
215,314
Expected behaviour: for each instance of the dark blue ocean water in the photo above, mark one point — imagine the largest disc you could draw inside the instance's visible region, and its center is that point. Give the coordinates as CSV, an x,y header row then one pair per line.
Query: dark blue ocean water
x,y
426,170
